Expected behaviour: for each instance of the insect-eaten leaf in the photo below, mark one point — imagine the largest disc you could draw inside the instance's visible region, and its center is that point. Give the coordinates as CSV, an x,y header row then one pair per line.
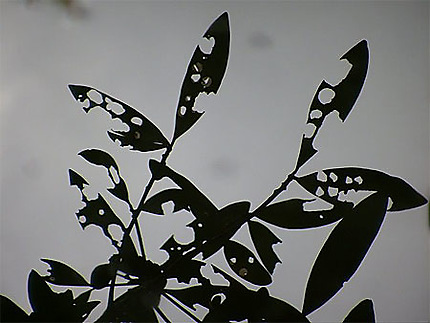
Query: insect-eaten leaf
x,y
101,158
244,263
204,74
49,306
341,98
62,274
77,180
345,179
344,250
142,134
363,312
264,239
291,214
177,196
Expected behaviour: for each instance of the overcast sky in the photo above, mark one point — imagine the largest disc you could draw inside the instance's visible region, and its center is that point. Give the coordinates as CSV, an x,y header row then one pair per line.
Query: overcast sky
x,y
242,148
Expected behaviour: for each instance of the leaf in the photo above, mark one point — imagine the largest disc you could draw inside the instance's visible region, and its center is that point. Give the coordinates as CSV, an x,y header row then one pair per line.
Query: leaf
x,y
10,312
155,202
290,214
77,180
362,312
101,158
98,212
263,240
244,263
142,134
344,179
345,94
344,250
62,274
102,275
204,74
200,294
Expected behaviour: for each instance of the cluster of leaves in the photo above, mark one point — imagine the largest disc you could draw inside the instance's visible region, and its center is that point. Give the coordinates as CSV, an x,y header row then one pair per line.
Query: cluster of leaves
x,y
357,223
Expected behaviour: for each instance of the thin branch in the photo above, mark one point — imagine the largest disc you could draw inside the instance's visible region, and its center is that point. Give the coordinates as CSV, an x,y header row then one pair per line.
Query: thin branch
x,y
163,316
179,306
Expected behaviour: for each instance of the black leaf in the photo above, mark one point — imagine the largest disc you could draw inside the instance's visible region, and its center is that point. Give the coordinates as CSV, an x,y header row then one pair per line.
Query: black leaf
x,y
10,312
363,312
204,74
244,263
155,202
263,240
344,250
290,214
62,274
142,134
77,180
343,97
344,179
102,275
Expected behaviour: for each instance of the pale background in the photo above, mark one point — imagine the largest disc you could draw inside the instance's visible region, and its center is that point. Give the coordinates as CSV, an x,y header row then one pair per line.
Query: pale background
x,y
241,149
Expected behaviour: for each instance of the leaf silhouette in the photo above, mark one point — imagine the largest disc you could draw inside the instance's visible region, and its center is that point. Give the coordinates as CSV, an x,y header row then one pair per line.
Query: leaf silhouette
x,y
102,275
244,263
343,179
345,94
263,240
77,180
142,134
362,312
101,158
176,195
204,74
290,214
344,250
62,274
10,312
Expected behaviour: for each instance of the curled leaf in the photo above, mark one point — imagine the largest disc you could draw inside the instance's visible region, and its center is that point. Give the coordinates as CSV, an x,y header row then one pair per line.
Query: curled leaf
x,y
204,74
62,274
290,214
344,250
142,134
341,98
340,181
244,263
263,240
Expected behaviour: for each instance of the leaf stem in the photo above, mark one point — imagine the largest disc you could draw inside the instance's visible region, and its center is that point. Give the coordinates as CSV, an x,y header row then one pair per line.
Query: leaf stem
x,y
163,316
183,309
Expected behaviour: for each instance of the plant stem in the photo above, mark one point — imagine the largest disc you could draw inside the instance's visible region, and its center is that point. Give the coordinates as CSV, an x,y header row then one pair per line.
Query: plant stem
x,y
179,306
163,316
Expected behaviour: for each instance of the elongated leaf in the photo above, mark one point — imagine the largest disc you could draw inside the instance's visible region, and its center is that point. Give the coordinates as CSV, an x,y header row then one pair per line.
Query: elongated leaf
x,y
345,94
264,239
102,275
10,312
62,274
177,196
363,313
344,250
142,134
290,214
244,263
204,74
343,179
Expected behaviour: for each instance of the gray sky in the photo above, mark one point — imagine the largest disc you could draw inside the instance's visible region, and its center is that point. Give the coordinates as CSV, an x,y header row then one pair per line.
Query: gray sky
x,y
243,146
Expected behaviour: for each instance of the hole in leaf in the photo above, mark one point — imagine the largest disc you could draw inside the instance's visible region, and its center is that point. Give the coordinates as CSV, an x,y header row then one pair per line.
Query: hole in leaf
x,y
137,121
315,114
116,233
358,179
206,45
82,219
195,77
332,191
319,191
251,260
321,176
182,110
101,212
200,225
197,67
326,95
321,216
52,279
188,98
390,203
233,260
243,272
348,180
333,177
206,81
217,299
114,107
136,135
178,248
309,130
95,96
114,174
